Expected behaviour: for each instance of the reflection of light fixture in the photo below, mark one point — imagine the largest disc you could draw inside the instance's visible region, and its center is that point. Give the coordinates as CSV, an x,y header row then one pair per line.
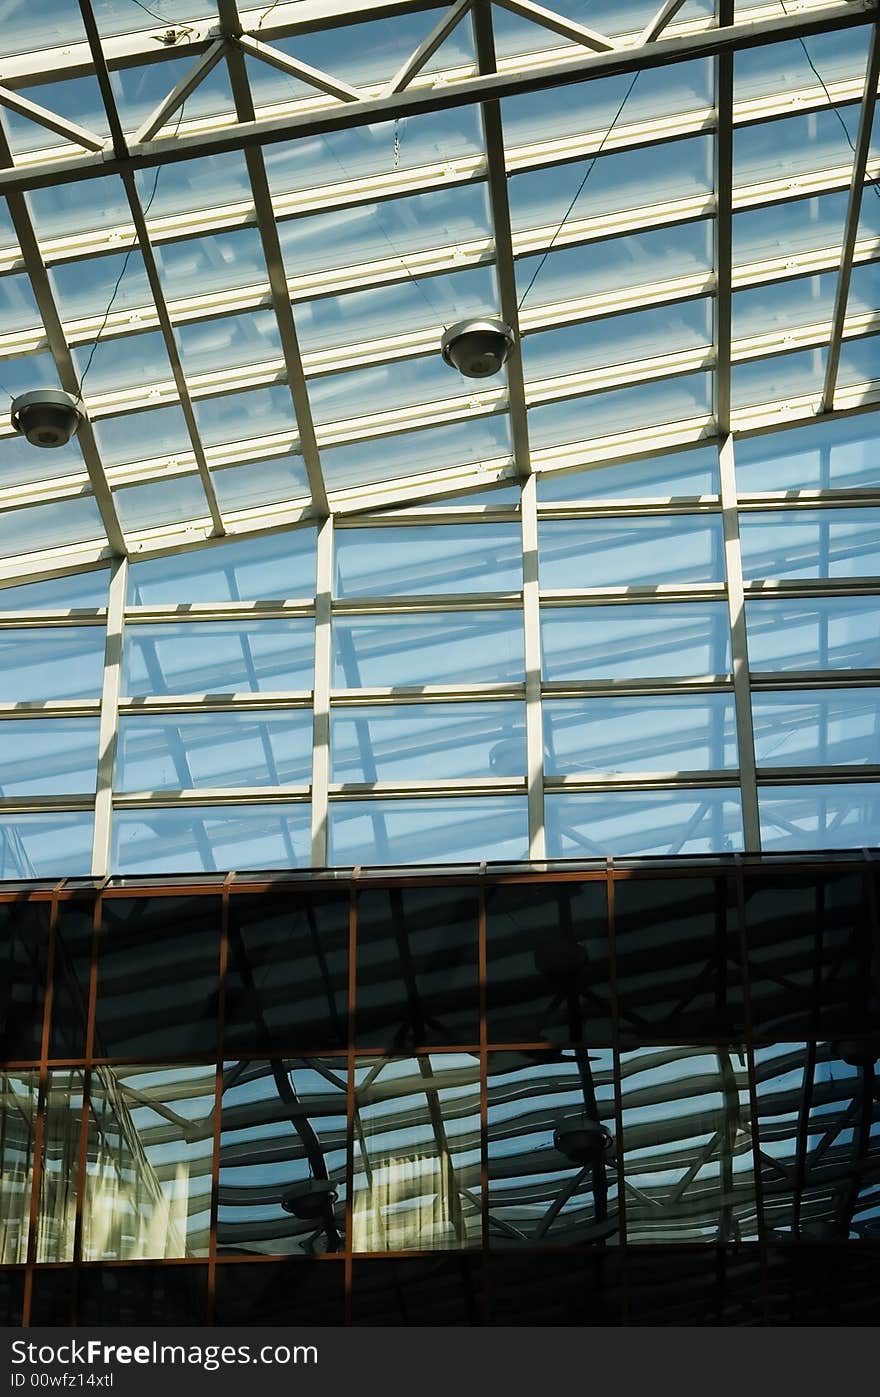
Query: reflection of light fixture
x,y
583,1141
858,1052
477,348
309,1199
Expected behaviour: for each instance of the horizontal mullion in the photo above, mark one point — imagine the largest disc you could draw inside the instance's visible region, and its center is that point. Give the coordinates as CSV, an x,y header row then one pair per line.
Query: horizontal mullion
x,y
375,697
406,790
215,702
806,499
51,708
777,681
643,781
25,805
813,587
219,611
817,775
636,688
661,591
231,796
451,601
36,620
613,509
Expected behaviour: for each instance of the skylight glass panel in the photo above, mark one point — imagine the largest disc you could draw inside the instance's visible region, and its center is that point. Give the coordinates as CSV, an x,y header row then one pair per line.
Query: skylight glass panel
x,y
27,371
124,362
826,455
844,816
819,727
81,206
620,339
414,560
139,90
777,377
51,756
473,442
273,480
52,663
50,845
811,543
685,473
621,181
413,742
820,633
428,831
785,305
386,388
622,552
77,100
18,308
162,502
609,735
247,656
795,226
382,148
214,750
620,410
768,69
794,145
121,17
193,186
859,361
440,647
140,436
222,261
206,839
637,641
643,822
231,417
81,589
84,288
615,265
515,35
50,525
28,24
229,342
276,568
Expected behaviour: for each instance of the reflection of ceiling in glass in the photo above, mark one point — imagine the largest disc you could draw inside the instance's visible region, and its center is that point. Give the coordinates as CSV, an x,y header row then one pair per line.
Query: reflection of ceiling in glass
x,y
239,232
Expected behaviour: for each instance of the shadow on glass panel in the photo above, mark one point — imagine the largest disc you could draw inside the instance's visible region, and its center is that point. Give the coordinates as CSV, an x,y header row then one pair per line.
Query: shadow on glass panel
x,y
283,1157
417,1154
417,973
819,1136
147,1190
694,1286
687,1131
142,1295
564,1289
417,1291
287,974
553,1166
11,1292
810,956
158,977
826,1285
18,1112
24,944
678,959
548,964
74,935
283,1292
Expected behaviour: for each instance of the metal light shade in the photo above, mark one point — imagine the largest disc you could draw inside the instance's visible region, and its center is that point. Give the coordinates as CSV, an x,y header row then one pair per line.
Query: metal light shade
x,y
477,348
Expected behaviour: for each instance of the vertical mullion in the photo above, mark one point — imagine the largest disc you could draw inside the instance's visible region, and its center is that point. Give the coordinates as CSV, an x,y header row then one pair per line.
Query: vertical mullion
x,y
109,724
723,225
739,650
321,697
532,639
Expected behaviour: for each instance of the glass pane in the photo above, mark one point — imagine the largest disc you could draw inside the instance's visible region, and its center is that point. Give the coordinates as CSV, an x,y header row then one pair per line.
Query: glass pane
x,y
692,472
51,845
287,972
820,817
688,1159
805,543
590,270
817,728
548,968
443,647
645,734
822,633
59,1180
428,831
619,339
148,1172
482,443
283,1157
81,589
18,1110
282,1293
218,656
417,974
553,1172
219,750
208,839
622,552
838,455
54,756
418,742
24,948
417,1154
643,822
52,663
441,559
648,641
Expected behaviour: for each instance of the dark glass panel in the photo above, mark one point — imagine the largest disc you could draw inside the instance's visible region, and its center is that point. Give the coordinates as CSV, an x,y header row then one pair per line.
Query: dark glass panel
x,y
51,1296
11,1291
553,1175
283,1157
59,1181
678,959
287,972
548,1290
24,942
694,1286
828,1285
18,1114
819,1132
142,1295
283,1293
158,977
810,955
417,969
548,963
74,935
417,1291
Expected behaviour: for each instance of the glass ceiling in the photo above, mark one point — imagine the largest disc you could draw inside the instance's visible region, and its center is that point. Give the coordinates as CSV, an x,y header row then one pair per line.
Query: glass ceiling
x,y
238,233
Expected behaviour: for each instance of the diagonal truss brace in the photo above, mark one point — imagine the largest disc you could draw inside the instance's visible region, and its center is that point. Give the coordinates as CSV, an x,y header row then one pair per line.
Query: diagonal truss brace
x,y
427,48
70,130
180,93
664,16
558,24
294,68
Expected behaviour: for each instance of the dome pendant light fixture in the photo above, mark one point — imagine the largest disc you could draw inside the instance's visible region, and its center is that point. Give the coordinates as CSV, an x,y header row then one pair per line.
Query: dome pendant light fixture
x,y
48,417
477,348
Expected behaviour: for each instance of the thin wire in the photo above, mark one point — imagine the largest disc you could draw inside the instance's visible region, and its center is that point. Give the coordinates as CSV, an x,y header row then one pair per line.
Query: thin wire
x,y
146,9
872,184
590,168
131,248
264,16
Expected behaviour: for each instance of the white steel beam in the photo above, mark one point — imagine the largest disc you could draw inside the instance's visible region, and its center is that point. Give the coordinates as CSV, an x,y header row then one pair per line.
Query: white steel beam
x,y
180,92
739,650
723,228
664,17
70,130
427,48
532,638
853,214
108,731
323,679
313,77
250,132
558,24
